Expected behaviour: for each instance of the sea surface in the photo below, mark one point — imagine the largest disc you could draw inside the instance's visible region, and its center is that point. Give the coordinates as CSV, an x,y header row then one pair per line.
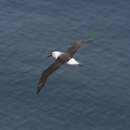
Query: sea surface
x,y
93,97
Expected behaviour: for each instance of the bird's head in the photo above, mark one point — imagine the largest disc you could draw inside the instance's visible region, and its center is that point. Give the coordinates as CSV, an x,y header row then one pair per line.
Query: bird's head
x,y
50,54
55,54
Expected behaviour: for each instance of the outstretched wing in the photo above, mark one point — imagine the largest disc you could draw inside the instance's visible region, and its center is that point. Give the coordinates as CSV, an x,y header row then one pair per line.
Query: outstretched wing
x,y
75,46
47,72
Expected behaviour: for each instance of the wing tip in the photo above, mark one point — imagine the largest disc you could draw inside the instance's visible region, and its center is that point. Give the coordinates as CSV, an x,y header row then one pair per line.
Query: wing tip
x,y
88,41
37,91
85,41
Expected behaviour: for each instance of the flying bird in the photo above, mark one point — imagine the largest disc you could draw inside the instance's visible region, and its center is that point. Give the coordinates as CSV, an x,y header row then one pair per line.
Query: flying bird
x,y
61,58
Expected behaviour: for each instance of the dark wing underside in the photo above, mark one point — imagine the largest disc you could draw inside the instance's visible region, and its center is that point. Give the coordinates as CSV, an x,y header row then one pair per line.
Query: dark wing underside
x,y
47,72
75,46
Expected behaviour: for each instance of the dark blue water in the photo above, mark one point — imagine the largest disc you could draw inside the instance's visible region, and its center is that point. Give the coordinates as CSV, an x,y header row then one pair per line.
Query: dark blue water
x,y
95,97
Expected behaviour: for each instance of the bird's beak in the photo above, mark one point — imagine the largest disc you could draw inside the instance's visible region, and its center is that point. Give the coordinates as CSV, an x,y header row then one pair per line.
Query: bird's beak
x,y
49,55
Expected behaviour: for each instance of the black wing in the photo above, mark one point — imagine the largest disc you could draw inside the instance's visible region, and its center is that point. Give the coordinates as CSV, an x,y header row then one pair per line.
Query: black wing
x,y
75,46
47,72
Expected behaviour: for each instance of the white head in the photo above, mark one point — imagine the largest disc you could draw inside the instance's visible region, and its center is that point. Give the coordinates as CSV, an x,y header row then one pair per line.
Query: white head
x,y
55,54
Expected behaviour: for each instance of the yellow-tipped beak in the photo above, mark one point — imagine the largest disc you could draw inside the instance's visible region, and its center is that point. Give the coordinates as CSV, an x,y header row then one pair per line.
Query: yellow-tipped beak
x,y
49,55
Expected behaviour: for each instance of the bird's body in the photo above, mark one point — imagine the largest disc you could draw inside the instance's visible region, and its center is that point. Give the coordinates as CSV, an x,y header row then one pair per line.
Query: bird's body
x,y
71,61
61,58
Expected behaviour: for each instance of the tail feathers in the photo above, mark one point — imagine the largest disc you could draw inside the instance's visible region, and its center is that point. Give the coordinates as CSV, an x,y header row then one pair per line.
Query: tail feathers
x,y
80,65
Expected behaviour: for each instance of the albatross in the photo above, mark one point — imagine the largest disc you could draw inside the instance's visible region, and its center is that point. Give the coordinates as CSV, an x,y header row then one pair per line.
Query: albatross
x,y
61,58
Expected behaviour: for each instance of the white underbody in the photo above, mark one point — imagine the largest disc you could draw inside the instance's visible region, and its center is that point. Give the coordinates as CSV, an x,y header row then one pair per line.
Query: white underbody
x,y
72,61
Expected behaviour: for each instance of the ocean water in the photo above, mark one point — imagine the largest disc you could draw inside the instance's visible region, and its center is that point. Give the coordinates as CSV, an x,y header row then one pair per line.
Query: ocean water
x,y
94,97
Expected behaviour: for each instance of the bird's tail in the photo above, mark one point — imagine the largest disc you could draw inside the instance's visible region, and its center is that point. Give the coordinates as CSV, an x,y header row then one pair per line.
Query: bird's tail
x,y
80,65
